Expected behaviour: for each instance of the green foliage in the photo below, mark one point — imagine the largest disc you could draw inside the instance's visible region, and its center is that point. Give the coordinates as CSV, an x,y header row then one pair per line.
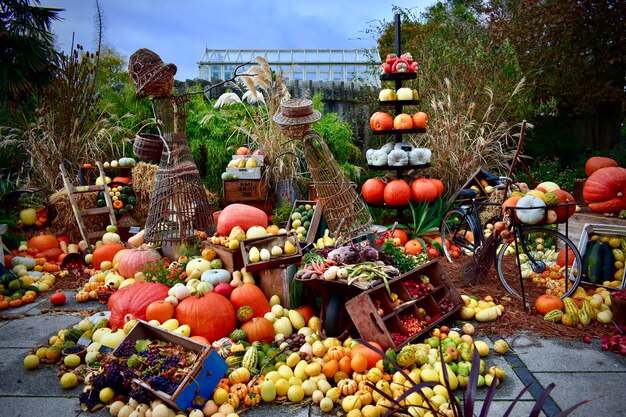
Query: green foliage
x,y
552,169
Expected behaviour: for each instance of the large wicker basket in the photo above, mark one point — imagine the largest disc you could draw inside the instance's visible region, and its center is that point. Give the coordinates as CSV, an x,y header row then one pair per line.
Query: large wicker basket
x,y
148,147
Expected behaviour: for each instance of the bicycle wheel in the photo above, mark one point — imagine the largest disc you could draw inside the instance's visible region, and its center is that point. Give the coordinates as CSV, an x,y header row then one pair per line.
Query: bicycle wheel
x,y
463,233
540,271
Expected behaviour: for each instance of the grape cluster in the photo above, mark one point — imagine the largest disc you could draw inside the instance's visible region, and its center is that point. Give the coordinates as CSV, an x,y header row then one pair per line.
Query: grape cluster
x,y
125,349
140,394
446,305
416,290
398,338
295,341
160,383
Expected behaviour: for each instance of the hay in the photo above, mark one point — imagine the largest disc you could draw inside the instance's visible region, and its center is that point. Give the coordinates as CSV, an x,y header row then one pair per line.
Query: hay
x,y
65,222
144,177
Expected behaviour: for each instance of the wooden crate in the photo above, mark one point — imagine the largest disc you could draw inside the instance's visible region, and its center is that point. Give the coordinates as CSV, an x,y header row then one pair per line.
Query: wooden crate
x,y
376,317
201,379
231,258
475,180
600,230
267,242
239,191
275,281
577,222
315,221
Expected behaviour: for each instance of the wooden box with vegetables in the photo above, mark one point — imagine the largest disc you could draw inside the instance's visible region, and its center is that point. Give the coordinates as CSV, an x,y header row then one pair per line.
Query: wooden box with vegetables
x,y
270,251
305,220
603,251
186,369
405,309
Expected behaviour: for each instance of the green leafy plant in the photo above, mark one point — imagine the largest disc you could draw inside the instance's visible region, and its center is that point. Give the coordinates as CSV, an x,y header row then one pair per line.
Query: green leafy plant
x,y
401,260
426,221
162,272
453,409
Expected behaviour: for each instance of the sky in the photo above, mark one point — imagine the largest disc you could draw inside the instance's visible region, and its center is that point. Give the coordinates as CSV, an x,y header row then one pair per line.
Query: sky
x,y
180,30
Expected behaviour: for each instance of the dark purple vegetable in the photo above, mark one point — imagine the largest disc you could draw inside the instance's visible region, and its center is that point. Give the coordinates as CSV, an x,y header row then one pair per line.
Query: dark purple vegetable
x,y
344,255
368,254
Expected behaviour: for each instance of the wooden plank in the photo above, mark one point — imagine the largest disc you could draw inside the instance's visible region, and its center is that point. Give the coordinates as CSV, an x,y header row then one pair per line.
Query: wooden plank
x,y
94,211
88,189
275,281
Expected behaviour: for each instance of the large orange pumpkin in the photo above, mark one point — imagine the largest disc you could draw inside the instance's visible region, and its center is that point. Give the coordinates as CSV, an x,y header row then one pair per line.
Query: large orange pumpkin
x,y
372,357
401,235
439,185
381,121
397,193
546,303
134,299
133,260
241,215
105,252
420,120
250,295
597,162
605,190
259,329
424,190
413,247
373,190
560,258
210,316
403,121
43,242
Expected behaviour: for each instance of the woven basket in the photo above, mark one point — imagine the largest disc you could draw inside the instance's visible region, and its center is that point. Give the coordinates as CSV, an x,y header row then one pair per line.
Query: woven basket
x,y
148,147
150,74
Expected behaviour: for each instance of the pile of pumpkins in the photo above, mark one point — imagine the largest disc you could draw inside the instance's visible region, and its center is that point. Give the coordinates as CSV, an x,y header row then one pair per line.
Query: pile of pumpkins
x,y
376,191
547,203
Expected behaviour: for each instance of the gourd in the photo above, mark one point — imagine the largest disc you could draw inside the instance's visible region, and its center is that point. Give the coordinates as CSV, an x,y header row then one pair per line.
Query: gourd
x,y
423,190
250,295
137,240
105,252
250,358
397,157
29,263
397,193
379,158
134,300
222,346
133,260
126,162
532,209
570,307
487,314
244,314
546,303
113,338
554,316
605,190
195,310
240,215
110,237
256,231
598,162
259,329
215,276
372,191
419,156
41,243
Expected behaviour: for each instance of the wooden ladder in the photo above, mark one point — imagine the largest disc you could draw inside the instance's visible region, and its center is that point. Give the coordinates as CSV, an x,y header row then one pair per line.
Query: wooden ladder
x,y
79,213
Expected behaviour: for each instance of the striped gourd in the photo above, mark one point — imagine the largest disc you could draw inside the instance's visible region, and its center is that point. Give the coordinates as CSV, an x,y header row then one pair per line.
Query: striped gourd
x,y
553,316
584,317
250,358
570,320
570,306
589,309
234,361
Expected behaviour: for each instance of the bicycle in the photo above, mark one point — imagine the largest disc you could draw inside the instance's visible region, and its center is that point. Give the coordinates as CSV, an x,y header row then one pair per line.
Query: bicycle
x,y
539,253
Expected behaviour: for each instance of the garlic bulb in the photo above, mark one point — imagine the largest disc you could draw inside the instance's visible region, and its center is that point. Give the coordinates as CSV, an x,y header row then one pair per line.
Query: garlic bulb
x,y
397,157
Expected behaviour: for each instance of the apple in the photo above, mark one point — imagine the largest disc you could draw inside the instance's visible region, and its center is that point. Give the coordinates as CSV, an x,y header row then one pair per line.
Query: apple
x,y
404,93
387,94
28,216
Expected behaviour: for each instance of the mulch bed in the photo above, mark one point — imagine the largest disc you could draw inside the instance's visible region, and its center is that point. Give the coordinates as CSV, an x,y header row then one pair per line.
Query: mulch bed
x,y
516,319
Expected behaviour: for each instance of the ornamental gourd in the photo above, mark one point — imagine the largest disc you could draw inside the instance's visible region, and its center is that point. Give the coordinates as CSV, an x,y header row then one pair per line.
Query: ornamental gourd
x,y
530,209
598,162
133,260
241,215
397,193
250,295
195,310
605,190
105,252
134,300
372,191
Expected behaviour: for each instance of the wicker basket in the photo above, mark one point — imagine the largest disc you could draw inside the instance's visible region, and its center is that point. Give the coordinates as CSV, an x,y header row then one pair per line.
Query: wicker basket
x,y
148,147
150,74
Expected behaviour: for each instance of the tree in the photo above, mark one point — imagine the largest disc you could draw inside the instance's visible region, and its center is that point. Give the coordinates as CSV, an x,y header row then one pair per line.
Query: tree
x,y
27,54
573,52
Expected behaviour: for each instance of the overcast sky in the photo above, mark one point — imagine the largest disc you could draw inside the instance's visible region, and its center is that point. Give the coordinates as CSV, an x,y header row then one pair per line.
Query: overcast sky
x,y
179,30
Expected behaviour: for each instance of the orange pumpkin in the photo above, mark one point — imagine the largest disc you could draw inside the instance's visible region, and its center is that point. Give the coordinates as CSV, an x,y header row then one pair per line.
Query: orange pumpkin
x,y
371,356
105,252
597,162
397,193
564,212
560,258
306,312
381,121
242,150
546,303
605,190
413,247
42,243
133,260
250,295
402,237
373,190
159,310
259,329
424,190
50,254
329,369
420,120
201,339
403,121
123,180
195,310
439,185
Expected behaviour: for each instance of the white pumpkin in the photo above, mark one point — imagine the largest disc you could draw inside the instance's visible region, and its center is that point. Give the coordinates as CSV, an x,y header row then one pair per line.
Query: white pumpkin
x,y
256,231
199,264
180,291
397,158
531,209
388,147
403,146
419,156
369,155
379,158
215,276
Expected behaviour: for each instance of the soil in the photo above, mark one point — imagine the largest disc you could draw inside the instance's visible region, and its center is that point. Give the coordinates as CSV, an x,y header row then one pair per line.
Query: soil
x,y
516,319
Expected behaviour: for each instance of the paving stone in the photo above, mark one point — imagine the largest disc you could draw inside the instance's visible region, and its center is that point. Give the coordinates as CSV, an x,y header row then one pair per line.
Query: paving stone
x,y
600,388
40,382
498,408
27,332
511,386
38,406
556,355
